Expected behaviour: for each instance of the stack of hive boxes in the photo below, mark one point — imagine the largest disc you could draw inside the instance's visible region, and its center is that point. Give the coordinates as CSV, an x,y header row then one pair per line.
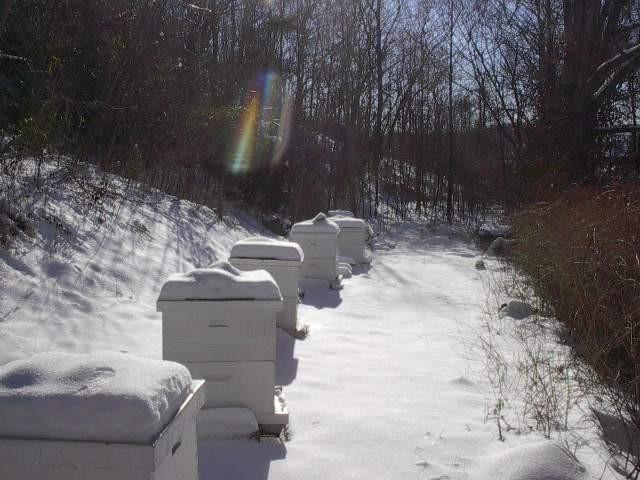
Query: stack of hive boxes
x,y
318,239
352,239
282,260
221,323
117,425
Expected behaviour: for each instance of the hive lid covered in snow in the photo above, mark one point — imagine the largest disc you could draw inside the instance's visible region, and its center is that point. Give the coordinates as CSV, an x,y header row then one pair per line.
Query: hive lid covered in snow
x,y
267,249
104,397
349,222
341,213
318,224
221,281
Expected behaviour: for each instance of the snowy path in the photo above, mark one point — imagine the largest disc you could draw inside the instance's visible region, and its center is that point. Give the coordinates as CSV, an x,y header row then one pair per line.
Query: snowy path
x,y
381,387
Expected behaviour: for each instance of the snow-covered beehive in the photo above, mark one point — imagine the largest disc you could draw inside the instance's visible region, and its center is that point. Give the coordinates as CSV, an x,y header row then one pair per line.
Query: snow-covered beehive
x,y
341,213
221,323
318,239
352,238
282,260
98,416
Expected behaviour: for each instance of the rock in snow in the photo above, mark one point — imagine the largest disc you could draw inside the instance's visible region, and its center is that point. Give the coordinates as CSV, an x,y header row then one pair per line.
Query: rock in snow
x,y
500,246
516,309
106,396
536,461
619,432
480,265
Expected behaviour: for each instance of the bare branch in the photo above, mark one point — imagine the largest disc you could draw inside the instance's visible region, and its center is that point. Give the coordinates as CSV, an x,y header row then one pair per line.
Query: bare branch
x,y
6,56
612,71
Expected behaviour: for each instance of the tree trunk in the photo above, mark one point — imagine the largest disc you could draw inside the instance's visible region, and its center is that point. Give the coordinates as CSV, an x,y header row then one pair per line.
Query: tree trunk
x,y
5,8
451,171
378,154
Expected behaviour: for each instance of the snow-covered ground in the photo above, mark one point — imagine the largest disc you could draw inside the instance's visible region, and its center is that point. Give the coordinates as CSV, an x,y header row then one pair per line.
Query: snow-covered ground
x,y
385,385
89,277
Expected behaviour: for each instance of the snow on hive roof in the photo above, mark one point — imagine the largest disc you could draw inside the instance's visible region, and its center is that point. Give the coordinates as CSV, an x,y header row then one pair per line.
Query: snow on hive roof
x,y
267,249
349,222
318,224
341,213
221,281
106,397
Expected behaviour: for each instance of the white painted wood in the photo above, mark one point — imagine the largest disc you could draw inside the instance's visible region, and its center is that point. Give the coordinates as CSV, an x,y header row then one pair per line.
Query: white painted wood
x,y
352,243
285,273
204,340
172,456
316,245
322,269
355,251
230,343
227,423
274,420
219,306
320,249
318,224
352,238
224,331
182,352
288,318
237,384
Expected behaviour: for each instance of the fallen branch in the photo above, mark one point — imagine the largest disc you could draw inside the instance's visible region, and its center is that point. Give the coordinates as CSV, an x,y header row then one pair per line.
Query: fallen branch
x,y
6,56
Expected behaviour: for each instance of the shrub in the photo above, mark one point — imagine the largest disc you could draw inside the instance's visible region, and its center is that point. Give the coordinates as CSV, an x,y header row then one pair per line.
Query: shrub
x,y
581,253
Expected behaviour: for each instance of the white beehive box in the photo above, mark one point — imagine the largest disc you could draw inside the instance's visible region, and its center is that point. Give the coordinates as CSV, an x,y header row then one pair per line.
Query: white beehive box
x,y
283,261
219,314
219,330
171,456
318,239
66,443
232,384
352,239
221,323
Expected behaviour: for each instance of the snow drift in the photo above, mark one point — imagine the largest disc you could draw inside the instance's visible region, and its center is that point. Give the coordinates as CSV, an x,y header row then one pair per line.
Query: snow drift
x,y
536,461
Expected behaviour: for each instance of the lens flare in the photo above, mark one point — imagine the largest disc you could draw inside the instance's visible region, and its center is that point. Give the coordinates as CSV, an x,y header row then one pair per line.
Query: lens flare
x,y
245,148
284,131
264,128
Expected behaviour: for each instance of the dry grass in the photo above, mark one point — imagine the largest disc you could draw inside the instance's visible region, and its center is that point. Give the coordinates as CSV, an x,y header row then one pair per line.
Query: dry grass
x,y
531,375
581,254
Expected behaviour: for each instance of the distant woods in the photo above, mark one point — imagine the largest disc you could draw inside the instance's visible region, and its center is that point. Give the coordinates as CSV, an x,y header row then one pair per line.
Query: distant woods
x,y
442,107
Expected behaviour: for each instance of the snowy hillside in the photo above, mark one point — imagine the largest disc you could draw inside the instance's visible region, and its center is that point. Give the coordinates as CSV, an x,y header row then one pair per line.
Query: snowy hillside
x,y
383,387
88,279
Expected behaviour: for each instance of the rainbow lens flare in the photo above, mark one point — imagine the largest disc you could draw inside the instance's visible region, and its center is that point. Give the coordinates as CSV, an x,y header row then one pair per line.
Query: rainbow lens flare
x,y
264,128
